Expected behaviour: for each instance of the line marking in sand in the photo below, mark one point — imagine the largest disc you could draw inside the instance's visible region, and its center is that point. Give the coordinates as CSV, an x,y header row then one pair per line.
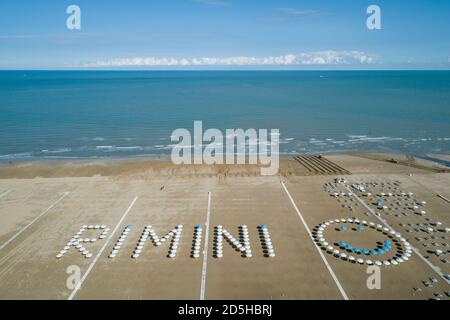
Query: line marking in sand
x,y
34,220
330,270
438,195
91,266
4,194
205,250
416,251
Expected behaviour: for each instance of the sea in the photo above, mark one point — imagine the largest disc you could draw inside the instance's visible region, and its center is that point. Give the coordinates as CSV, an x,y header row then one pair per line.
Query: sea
x,y
96,114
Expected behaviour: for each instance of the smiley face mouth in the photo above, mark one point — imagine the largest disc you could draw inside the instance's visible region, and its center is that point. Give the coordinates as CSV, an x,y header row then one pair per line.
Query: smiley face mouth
x,y
382,248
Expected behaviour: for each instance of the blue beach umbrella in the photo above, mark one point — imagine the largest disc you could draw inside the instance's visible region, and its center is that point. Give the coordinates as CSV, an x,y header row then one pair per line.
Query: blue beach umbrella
x,y
356,250
364,251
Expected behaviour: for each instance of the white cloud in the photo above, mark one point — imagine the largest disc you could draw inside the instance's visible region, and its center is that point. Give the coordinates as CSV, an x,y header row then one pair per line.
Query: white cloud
x,y
297,12
313,58
213,2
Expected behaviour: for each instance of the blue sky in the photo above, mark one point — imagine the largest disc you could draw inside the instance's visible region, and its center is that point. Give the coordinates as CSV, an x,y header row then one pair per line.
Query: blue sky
x,y
152,34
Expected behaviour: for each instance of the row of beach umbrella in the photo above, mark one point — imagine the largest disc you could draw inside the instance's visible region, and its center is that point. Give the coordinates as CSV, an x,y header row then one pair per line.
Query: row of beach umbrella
x,y
120,241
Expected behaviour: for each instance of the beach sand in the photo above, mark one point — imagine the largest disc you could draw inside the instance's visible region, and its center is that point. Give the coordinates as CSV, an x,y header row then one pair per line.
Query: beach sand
x,y
53,199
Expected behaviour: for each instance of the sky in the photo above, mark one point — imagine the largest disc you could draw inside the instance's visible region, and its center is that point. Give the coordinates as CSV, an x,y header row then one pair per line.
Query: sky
x,y
225,34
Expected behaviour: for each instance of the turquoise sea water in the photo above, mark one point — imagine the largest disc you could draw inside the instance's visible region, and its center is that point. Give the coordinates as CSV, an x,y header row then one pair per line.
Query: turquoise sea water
x,y
46,114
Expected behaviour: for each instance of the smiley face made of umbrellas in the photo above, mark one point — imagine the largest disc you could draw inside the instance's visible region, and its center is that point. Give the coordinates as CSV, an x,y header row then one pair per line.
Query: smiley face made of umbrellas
x,y
392,249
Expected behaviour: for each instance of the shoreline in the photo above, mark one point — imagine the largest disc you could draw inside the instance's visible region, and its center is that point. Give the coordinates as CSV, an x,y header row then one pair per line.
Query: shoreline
x,y
162,166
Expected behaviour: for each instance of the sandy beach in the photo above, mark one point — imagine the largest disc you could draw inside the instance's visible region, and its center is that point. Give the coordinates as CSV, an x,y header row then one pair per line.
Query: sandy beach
x,y
43,204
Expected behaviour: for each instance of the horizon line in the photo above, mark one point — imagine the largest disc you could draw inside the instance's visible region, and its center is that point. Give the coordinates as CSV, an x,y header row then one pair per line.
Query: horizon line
x,y
215,70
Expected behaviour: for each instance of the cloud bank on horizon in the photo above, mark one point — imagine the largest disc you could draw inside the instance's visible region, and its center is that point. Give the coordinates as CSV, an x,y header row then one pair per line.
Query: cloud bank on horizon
x,y
228,34
328,57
